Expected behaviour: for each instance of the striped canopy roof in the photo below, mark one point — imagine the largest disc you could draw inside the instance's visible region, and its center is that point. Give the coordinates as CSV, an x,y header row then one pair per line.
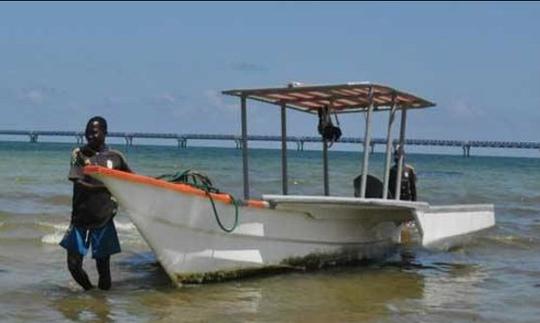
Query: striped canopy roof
x,y
341,98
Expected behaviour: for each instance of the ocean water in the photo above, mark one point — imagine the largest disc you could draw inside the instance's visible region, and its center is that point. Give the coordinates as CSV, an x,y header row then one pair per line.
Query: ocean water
x,y
494,277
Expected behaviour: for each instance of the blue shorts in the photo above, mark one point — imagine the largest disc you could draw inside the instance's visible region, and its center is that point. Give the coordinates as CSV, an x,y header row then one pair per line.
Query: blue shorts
x,y
104,240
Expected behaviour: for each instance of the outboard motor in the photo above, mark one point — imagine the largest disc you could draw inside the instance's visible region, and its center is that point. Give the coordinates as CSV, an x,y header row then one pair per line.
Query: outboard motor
x,y
374,187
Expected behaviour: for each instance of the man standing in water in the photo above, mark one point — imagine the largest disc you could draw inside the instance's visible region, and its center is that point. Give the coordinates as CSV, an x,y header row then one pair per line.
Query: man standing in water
x,y
408,178
93,208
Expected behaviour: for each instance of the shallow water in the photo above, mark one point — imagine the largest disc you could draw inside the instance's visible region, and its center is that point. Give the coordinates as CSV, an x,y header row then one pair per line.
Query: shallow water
x,y
494,277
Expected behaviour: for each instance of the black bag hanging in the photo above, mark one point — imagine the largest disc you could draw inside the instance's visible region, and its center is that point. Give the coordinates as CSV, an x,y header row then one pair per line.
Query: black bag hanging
x,y
326,128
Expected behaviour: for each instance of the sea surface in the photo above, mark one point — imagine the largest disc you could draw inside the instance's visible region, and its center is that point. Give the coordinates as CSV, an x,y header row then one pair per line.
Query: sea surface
x,y
494,277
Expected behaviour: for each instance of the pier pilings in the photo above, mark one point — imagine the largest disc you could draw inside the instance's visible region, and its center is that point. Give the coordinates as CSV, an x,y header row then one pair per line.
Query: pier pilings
x,y
33,137
465,145
300,145
129,140
182,142
466,150
238,143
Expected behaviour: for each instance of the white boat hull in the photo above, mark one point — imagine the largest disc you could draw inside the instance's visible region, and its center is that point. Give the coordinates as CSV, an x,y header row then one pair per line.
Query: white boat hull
x,y
280,234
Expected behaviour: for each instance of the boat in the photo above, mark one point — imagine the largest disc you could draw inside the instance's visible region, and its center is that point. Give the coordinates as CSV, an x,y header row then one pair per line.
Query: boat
x,y
202,236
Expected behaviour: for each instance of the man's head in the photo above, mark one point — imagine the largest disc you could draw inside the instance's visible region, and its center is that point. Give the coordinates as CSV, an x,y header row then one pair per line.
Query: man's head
x,y
96,130
398,151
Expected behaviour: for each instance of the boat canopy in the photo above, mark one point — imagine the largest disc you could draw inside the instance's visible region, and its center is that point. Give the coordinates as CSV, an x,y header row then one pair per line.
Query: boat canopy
x,y
338,98
341,98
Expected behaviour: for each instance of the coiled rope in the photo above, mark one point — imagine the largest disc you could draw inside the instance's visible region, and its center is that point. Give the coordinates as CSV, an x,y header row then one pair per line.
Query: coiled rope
x,y
202,182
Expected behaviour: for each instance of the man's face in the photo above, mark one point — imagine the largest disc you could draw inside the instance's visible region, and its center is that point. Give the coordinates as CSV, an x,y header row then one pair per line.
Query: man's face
x,y
95,135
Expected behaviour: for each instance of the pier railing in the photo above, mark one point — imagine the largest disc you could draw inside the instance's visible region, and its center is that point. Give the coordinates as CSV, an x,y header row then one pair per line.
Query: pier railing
x,y
182,139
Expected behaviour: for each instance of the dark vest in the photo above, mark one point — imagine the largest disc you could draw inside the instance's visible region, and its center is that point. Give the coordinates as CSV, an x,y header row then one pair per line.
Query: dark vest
x,y
93,208
408,183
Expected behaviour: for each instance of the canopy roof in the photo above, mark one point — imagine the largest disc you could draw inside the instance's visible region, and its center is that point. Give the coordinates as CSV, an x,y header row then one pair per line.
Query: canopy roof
x,y
341,98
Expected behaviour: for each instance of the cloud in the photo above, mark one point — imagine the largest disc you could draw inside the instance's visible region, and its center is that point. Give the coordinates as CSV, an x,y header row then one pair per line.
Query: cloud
x,y
120,100
216,100
38,95
248,67
462,109
164,99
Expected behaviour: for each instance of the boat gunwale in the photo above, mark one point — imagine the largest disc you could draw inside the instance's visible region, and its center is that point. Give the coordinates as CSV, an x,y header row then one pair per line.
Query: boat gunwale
x,y
177,187
275,200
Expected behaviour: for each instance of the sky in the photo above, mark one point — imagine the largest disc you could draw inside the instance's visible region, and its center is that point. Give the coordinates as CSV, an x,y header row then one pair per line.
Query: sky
x,y
161,66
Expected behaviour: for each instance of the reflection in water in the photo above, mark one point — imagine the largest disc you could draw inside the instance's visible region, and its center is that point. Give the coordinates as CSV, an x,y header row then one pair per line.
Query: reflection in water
x,y
410,287
415,285
389,290
450,289
345,294
457,283
90,306
216,302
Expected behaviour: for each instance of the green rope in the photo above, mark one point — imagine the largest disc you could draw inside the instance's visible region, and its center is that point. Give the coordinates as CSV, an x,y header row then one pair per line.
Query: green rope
x,y
228,230
202,182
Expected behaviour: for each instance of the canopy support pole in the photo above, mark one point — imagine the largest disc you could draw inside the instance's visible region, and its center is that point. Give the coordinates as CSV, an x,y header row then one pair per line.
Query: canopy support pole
x,y
325,168
389,147
284,179
245,148
401,152
367,141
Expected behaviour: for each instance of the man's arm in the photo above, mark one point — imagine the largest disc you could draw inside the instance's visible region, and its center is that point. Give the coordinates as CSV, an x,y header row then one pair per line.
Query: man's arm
x,y
76,173
392,182
413,184
123,164
90,186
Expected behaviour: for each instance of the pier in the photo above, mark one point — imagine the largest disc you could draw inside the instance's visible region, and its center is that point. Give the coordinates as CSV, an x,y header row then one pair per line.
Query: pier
x,y
182,139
